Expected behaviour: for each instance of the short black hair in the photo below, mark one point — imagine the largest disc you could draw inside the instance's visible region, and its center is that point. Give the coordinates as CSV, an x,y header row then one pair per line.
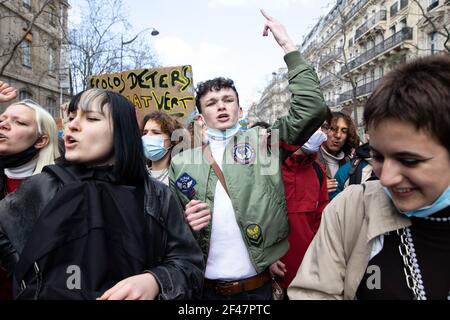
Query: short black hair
x,y
418,93
215,84
129,163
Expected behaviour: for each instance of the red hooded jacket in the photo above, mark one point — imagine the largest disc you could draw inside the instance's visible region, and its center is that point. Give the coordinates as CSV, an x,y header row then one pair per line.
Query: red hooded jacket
x,y
306,197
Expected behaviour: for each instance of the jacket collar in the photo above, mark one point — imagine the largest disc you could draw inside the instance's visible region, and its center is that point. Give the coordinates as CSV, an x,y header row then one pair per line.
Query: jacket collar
x,y
381,214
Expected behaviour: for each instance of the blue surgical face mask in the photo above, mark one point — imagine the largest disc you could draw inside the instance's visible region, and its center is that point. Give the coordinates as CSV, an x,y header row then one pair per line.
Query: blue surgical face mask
x,y
217,134
154,149
441,203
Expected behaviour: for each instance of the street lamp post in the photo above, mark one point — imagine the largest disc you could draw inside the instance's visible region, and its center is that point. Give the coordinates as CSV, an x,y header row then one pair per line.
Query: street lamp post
x,y
124,43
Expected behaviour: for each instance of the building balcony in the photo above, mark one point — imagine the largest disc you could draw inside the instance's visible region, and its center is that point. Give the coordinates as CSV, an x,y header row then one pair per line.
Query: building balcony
x,y
330,57
374,23
357,8
332,103
363,90
383,47
327,80
331,35
310,48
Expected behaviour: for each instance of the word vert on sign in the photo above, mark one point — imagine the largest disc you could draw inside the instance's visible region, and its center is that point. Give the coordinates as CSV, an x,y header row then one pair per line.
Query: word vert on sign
x,y
170,90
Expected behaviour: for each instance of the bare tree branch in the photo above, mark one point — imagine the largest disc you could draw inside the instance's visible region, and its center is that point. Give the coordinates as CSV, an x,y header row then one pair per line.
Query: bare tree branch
x,y
429,19
18,43
96,45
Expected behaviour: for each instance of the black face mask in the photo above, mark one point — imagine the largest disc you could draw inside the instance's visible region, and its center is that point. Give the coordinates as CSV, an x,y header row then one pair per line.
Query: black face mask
x,y
18,159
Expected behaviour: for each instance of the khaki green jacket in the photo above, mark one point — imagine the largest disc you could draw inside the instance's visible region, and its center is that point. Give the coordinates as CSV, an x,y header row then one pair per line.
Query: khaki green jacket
x,y
252,170
339,255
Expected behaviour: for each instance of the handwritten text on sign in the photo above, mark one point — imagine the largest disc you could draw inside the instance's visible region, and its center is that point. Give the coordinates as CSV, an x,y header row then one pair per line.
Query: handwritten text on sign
x,y
170,90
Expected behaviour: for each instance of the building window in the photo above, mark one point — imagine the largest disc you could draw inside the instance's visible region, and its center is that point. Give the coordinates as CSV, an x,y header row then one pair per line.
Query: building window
x,y
24,94
26,53
51,106
394,9
403,4
433,42
52,16
51,61
26,4
433,4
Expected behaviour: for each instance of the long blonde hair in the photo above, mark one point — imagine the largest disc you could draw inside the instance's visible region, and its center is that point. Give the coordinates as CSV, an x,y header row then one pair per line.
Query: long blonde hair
x,y
46,125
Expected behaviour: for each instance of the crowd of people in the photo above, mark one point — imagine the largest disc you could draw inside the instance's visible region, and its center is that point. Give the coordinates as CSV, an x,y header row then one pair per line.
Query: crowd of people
x,y
297,209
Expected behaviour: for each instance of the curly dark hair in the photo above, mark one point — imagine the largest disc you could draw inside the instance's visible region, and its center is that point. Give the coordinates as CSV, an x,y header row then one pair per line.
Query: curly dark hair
x,y
215,84
352,141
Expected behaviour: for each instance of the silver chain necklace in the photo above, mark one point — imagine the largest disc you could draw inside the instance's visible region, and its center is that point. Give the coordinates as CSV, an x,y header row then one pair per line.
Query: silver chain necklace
x,y
411,266
438,219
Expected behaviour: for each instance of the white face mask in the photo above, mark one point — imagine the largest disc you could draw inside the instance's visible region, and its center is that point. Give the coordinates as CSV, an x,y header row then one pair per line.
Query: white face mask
x,y
154,149
217,134
441,203
314,142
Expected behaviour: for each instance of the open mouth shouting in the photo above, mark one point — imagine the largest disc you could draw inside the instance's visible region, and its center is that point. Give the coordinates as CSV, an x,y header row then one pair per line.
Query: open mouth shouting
x,y
70,141
223,117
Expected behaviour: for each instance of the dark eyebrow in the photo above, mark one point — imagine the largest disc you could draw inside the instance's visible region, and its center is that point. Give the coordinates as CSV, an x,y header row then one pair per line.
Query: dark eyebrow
x,y
210,100
90,112
404,154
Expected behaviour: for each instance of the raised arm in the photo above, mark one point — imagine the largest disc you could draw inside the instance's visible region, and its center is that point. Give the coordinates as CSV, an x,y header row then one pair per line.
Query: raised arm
x,y
307,108
279,33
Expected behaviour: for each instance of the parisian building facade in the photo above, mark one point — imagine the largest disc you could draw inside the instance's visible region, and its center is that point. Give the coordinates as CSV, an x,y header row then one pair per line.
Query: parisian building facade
x,y
39,66
359,41
274,100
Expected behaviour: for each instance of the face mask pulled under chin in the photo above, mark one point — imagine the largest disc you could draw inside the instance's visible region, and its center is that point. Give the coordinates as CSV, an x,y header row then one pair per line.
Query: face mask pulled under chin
x,y
217,134
154,149
440,204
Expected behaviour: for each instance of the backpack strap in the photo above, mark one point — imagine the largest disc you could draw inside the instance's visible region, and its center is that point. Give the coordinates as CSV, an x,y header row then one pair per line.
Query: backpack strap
x,y
215,167
64,175
355,172
319,172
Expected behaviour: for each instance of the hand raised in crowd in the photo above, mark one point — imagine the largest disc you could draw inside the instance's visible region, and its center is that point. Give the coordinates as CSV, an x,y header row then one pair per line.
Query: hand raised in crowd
x,y
278,269
197,214
332,185
279,33
7,92
140,287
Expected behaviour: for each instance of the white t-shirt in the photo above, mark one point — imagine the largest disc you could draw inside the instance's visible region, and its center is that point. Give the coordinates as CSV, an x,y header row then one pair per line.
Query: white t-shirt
x,y
161,175
228,257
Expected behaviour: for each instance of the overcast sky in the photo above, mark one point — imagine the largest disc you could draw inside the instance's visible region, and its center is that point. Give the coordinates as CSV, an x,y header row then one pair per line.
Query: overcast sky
x,y
223,37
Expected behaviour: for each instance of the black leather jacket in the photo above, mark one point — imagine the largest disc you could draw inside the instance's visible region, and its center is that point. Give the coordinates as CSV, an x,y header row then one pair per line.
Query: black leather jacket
x,y
177,259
